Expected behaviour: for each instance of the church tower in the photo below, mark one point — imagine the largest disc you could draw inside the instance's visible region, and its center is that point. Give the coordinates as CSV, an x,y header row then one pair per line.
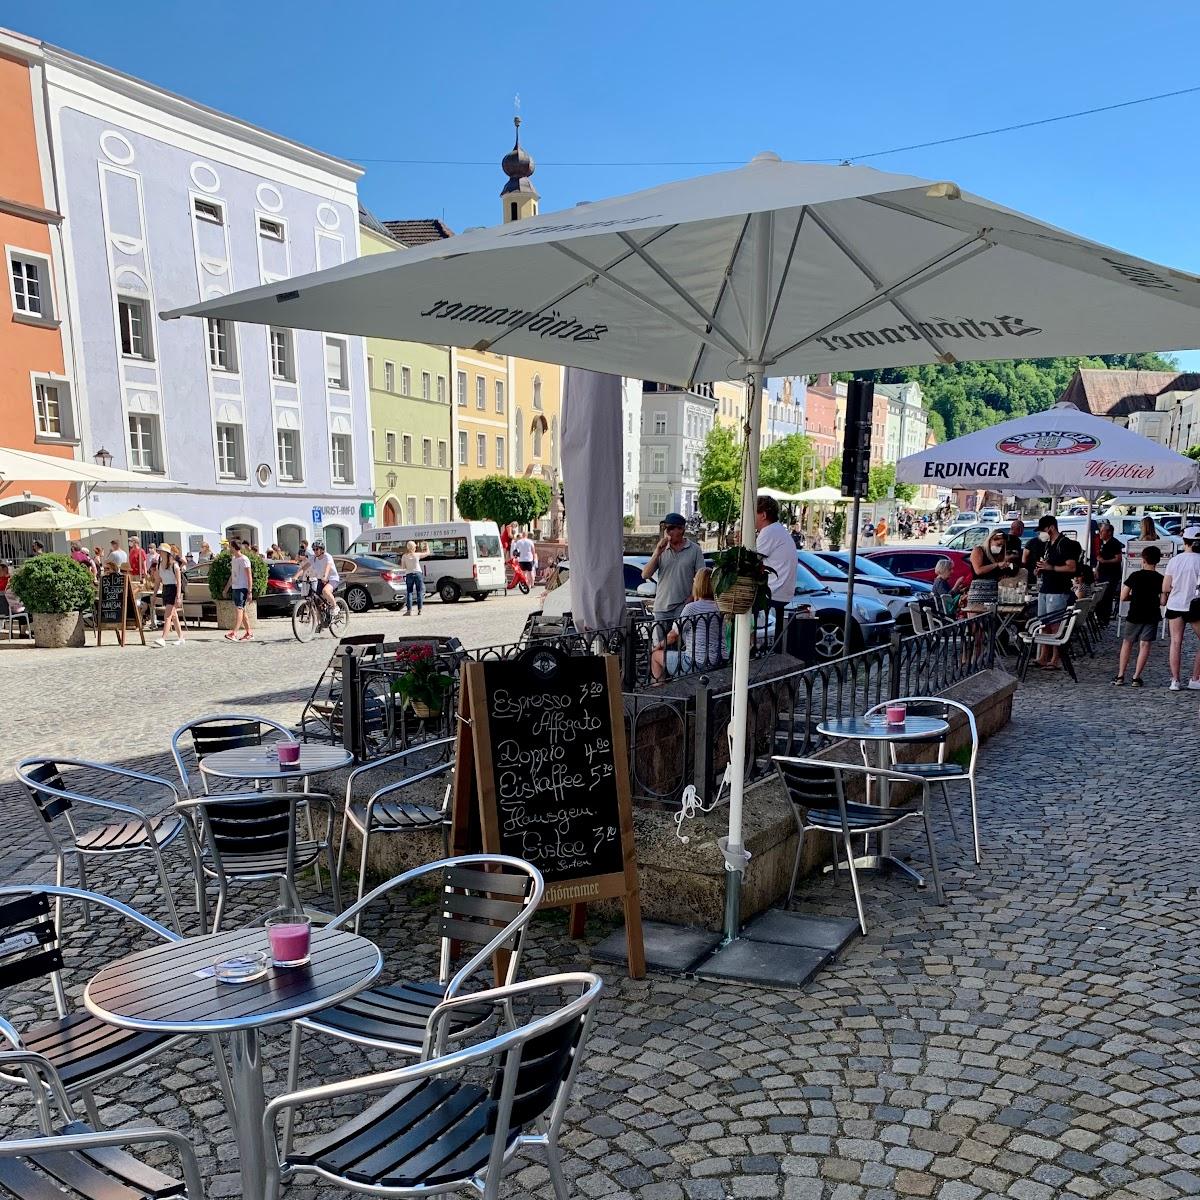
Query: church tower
x,y
518,197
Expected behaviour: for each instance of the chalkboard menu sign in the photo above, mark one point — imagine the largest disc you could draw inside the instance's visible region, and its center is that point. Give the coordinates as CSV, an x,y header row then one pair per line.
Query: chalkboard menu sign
x,y
116,607
542,774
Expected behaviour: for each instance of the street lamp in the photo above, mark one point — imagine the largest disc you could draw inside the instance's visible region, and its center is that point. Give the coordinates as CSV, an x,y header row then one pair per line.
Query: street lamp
x,y
103,457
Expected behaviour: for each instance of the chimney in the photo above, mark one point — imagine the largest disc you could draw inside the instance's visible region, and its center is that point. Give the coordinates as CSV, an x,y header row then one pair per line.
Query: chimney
x,y
824,379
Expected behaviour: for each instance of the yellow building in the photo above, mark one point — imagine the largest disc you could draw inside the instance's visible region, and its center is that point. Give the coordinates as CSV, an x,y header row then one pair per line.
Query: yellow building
x,y
537,419
731,404
480,385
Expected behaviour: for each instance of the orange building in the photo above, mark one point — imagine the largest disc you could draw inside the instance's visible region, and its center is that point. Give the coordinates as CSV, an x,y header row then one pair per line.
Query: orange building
x,y
37,402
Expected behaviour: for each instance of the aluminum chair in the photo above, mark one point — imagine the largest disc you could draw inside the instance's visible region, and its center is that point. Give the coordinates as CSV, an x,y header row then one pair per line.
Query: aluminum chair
x,y
57,807
83,1049
251,837
916,614
486,901
941,771
1034,635
8,618
385,811
815,788
460,1119
73,1161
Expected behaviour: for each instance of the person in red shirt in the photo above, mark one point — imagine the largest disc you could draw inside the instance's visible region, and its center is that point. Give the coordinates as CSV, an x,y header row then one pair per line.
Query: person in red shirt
x,y
137,557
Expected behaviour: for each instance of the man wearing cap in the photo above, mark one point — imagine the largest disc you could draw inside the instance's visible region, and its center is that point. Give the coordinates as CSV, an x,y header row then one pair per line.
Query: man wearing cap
x,y
674,564
1181,595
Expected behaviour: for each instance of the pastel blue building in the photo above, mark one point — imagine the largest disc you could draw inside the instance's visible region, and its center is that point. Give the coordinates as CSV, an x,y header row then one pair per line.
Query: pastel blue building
x,y
264,432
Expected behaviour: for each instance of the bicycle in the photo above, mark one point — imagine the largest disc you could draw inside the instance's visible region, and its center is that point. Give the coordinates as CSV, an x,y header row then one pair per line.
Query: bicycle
x,y
312,613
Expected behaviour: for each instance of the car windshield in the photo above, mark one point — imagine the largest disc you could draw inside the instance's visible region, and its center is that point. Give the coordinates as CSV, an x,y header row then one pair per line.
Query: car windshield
x,y
285,570
864,566
820,567
806,581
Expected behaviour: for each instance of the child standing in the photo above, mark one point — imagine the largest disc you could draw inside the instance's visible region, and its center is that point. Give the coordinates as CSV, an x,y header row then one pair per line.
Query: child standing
x,y
1143,590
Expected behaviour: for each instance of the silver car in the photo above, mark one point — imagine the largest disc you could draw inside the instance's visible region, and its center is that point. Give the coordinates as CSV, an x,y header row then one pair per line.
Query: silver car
x,y
368,582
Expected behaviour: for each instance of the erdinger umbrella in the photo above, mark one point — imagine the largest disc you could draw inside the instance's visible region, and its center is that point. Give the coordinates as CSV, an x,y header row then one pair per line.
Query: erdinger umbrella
x,y
793,268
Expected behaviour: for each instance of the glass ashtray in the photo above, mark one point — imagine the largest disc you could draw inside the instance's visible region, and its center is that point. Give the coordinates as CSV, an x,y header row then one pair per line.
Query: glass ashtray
x,y
246,968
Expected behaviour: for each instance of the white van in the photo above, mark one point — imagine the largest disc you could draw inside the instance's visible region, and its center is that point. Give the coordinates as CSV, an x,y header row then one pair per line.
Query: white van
x,y
463,557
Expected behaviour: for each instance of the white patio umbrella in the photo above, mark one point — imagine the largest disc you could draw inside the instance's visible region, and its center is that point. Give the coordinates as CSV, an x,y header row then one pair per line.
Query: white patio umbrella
x,y
146,520
45,468
46,520
794,267
823,495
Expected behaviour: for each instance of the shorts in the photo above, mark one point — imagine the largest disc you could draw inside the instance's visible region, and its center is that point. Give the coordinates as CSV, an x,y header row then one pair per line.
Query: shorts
x,y
169,593
677,662
1192,613
1052,603
1140,631
240,596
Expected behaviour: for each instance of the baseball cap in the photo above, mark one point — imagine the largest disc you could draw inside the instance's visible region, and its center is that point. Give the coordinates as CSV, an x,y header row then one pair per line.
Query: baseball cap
x,y
674,519
1192,531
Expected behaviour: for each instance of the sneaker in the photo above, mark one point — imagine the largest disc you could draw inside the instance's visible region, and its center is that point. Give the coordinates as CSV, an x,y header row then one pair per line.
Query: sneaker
x,y
1137,682
1119,681
179,642
1174,686
1194,685
245,636
230,636
160,641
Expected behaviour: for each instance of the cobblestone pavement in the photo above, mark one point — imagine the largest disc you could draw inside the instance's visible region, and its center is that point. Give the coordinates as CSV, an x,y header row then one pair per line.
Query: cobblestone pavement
x,y
1038,1037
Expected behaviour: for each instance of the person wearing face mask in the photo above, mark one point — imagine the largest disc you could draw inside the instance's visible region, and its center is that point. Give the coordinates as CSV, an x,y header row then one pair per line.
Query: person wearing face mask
x,y
1057,566
990,561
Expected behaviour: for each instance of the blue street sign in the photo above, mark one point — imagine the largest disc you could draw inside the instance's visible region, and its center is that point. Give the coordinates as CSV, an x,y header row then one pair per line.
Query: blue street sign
x,y
316,515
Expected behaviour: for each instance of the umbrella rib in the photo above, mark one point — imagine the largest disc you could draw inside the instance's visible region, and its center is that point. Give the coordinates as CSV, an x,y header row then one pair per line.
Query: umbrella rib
x,y
787,266
662,310
928,270
725,278
708,318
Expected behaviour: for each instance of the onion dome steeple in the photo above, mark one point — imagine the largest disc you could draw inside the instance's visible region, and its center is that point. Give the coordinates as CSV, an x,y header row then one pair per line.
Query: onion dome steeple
x,y
519,197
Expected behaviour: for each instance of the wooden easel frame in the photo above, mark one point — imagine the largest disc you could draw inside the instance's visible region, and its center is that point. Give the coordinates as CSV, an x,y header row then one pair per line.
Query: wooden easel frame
x,y
476,827
128,603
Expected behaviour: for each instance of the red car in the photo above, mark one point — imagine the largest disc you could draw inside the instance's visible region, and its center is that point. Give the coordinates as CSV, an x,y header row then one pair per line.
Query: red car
x,y
917,562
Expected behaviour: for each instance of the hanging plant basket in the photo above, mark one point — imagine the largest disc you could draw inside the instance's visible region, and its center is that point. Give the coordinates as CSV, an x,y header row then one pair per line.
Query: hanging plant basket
x,y
740,581
423,710
739,596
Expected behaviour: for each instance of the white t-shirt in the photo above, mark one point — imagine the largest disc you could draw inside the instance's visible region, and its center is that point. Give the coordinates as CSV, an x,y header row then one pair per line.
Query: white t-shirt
x,y
116,558
411,561
523,550
239,573
1184,573
319,562
775,544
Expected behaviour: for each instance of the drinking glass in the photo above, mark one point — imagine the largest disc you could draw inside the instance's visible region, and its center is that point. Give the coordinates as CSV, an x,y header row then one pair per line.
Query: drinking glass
x,y
290,935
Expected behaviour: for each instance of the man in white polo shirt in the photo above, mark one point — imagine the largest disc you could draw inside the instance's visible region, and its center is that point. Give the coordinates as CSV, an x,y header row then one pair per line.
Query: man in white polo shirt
x,y
775,544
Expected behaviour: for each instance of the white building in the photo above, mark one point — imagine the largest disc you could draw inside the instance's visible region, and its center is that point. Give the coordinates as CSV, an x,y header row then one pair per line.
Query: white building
x,y
631,448
675,423
1174,421
907,422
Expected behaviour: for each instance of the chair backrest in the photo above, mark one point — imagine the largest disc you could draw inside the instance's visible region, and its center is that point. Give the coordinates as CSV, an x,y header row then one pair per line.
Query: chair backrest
x,y
251,826
209,735
47,800
916,611
476,905
28,940
810,786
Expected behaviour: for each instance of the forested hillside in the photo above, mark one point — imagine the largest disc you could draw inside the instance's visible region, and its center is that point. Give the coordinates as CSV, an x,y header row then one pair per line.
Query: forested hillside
x,y
973,395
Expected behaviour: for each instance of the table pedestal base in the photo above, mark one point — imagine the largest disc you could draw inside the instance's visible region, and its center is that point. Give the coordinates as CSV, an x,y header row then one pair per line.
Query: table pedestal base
x,y
249,1101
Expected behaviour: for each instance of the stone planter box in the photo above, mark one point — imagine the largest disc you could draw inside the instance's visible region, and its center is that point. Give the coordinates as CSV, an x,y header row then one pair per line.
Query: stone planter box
x,y
226,611
53,631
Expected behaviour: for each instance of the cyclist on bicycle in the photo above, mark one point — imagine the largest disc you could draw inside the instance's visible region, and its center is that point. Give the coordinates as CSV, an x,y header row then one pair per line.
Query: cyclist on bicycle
x,y
321,568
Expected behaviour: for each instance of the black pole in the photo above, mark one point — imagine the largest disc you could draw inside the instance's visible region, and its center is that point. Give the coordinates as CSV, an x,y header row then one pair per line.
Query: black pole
x,y
849,625
856,464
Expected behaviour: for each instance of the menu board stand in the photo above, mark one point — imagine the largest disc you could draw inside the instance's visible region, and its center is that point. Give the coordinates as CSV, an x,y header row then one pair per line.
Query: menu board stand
x,y
115,605
541,773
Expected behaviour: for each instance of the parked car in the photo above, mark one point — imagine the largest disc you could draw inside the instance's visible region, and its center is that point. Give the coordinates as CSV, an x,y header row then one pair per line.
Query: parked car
x,y
893,593
461,558
871,623
367,581
556,599
281,594
917,562
963,521
989,516
967,539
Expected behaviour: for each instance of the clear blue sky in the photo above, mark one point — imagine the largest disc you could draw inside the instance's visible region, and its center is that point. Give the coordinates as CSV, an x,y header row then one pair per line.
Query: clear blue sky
x,y
694,83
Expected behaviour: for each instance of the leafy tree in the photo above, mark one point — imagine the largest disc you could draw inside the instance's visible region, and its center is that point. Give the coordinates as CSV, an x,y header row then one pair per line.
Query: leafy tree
x,y
467,500
880,481
504,499
833,473
1193,452
721,458
788,464
720,503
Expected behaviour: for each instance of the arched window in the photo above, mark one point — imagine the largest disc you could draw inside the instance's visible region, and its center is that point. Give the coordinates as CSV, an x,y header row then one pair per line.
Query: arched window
x,y
537,393
519,444
536,431
512,211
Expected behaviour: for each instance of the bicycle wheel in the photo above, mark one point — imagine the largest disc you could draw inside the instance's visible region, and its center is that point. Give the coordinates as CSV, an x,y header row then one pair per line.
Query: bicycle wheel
x,y
304,621
339,618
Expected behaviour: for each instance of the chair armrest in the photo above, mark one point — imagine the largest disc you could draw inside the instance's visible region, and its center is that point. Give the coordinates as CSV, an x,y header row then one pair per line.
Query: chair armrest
x,y
855,768
70,893
375,764
94,1140
389,789
37,1067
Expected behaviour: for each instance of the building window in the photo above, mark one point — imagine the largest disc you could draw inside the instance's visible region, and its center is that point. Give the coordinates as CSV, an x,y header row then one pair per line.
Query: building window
x,y
460,383
389,377
144,452
480,392
499,395
340,458
499,454
30,279
462,448
428,510
370,372
410,508
287,455
480,450
443,509
135,328
406,381
537,393
389,443
427,452
336,363
536,438
441,389
658,505
52,410
660,423
406,447
270,229
518,451
222,346
442,450
229,452
658,462
282,360
208,210
426,385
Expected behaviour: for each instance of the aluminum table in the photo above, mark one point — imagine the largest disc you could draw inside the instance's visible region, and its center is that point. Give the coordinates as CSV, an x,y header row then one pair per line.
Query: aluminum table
x,y
262,762
157,990
914,729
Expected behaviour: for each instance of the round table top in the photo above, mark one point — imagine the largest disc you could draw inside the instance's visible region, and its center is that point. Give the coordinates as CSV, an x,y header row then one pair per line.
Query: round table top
x,y
262,762
855,727
157,989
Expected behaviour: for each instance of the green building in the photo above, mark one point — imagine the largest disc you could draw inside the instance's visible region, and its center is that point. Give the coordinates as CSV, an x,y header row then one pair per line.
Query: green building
x,y
410,408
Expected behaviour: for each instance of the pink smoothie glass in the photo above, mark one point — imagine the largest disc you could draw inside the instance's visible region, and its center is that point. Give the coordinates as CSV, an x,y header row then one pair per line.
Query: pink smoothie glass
x,y
896,714
290,936
289,753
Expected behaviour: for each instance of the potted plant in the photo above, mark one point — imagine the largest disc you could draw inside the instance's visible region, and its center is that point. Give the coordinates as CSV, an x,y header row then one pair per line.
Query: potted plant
x,y
837,529
219,570
740,580
423,685
56,590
